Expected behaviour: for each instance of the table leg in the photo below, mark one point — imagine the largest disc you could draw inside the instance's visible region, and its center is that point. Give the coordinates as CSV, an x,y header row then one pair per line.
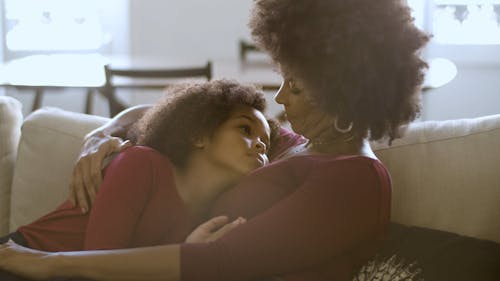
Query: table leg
x,y
89,102
38,98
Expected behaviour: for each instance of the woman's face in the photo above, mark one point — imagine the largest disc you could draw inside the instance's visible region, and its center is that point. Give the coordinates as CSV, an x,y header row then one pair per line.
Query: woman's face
x,y
305,117
240,144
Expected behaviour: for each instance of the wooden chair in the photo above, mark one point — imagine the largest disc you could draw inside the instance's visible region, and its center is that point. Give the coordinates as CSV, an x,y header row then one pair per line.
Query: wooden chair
x,y
147,77
246,47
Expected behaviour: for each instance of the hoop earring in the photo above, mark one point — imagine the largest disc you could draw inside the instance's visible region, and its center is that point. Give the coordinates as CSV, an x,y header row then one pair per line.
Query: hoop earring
x,y
342,130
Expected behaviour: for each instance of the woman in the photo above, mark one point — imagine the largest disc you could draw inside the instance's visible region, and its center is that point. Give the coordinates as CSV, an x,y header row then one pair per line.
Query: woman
x,y
192,145
351,73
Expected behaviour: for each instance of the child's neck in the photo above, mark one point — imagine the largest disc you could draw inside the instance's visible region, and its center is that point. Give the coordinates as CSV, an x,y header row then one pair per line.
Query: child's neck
x,y
199,184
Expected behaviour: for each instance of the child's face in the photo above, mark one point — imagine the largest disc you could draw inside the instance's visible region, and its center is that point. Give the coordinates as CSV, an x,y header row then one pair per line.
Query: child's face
x,y
240,143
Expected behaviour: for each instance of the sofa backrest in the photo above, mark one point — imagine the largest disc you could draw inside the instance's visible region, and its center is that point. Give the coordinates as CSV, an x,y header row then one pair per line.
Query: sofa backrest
x,y
51,140
446,175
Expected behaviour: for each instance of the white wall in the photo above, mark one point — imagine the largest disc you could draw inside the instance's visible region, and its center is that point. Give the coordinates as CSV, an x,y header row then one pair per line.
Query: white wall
x,y
116,20
474,92
188,28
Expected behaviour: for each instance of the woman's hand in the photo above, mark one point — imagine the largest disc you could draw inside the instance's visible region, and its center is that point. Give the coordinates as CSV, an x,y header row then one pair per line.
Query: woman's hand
x,y
98,145
213,229
29,263
87,176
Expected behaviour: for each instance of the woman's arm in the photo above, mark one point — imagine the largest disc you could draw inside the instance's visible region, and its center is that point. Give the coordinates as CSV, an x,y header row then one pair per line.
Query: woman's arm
x,y
333,212
119,125
99,144
150,263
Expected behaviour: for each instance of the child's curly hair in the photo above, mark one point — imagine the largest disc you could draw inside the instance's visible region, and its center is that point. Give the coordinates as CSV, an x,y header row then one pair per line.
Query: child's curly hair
x,y
189,112
358,59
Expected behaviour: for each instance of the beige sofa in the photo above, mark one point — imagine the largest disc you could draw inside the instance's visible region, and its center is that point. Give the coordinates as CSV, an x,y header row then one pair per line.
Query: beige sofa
x,y
446,174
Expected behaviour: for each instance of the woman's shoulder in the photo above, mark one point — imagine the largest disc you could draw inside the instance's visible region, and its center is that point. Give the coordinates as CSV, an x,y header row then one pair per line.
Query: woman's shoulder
x,y
326,159
355,168
346,160
324,164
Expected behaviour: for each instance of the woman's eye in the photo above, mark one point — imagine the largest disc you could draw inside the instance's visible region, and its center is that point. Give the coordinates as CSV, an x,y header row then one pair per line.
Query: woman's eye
x,y
295,91
293,87
246,129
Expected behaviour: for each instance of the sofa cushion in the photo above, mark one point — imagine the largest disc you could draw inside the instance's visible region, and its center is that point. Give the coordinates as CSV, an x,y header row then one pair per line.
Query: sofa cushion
x,y
445,176
50,142
11,118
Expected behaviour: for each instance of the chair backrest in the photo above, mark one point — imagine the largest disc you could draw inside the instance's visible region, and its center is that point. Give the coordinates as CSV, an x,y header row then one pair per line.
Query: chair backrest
x,y
246,47
150,79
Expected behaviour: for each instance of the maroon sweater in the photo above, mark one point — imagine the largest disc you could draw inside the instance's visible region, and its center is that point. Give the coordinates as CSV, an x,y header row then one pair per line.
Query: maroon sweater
x,y
137,205
310,218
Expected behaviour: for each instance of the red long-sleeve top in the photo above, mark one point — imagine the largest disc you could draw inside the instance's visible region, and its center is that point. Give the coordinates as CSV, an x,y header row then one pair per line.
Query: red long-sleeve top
x,y
310,218
137,205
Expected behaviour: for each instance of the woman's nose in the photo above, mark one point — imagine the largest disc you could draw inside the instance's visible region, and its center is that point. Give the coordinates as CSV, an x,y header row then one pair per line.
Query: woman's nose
x,y
280,96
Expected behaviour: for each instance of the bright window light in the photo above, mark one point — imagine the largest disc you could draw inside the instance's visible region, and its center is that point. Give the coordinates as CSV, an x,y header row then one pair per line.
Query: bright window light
x,y
53,25
466,22
418,9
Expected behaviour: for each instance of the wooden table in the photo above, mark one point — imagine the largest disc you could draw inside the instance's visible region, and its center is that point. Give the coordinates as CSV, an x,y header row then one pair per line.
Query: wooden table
x,y
86,71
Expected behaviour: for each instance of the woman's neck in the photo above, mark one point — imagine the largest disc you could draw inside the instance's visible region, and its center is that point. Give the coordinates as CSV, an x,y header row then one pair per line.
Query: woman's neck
x,y
199,184
334,148
354,146
323,139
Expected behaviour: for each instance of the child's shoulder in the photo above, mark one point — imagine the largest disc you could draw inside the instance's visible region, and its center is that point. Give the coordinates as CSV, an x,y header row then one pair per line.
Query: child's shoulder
x,y
140,154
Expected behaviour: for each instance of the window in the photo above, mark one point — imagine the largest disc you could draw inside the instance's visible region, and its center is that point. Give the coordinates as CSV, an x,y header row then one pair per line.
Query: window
x,y
466,22
35,26
465,31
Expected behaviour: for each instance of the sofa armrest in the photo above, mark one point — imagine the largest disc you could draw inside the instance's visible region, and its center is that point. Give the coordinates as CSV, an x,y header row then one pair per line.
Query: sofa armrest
x,y
51,140
11,118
